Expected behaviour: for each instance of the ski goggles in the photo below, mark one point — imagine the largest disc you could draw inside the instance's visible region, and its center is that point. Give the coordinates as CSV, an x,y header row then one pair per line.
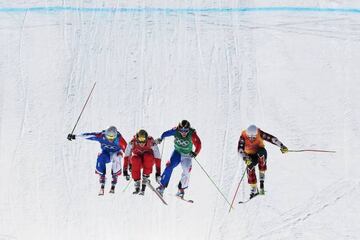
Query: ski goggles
x,y
141,139
252,138
110,137
184,130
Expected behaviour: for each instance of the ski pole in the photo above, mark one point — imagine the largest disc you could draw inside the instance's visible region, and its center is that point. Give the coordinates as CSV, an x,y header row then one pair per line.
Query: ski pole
x,y
213,182
162,148
127,185
242,177
312,150
83,108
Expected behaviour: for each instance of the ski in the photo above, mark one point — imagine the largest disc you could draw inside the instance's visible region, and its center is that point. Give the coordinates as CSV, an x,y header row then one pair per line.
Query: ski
x,y
242,202
156,192
184,199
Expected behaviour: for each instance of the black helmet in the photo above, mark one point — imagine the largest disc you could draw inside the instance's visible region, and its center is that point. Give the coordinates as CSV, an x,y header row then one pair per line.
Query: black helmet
x,y
184,125
141,136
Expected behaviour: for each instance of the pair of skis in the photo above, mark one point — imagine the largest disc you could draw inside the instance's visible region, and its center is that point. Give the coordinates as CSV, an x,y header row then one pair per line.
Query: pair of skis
x,y
161,197
249,199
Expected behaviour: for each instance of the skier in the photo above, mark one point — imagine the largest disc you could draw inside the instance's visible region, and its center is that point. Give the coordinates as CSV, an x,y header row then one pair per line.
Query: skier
x,y
185,138
112,146
252,149
142,152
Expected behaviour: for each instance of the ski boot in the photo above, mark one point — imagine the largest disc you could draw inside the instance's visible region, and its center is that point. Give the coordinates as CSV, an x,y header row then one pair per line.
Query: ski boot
x,y
145,180
113,183
101,192
180,193
137,187
254,192
160,189
112,189
262,190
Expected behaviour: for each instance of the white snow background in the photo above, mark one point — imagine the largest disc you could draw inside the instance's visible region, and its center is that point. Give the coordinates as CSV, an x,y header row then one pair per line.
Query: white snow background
x,y
294,73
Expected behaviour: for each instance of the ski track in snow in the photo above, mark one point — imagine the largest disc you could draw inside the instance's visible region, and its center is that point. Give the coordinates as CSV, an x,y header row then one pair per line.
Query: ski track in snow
x,y
317,204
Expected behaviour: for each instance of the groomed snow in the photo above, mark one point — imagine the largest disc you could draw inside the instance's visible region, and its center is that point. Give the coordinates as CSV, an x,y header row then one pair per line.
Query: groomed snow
x,y
293,73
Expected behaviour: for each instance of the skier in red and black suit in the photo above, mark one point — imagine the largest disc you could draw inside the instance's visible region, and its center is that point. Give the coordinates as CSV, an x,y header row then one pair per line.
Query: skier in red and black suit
x,y
142,152
252,149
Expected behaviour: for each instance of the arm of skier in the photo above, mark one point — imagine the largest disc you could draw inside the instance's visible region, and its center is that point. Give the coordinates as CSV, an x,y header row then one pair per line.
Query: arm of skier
x,y
241,147
122,144
157,158
197,143
168,133
128,151
274,140
93,136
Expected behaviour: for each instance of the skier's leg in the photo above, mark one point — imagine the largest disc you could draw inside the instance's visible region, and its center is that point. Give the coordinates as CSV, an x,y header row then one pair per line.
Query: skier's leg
x,y
115,170
174,161
252,180
135,172
262,156
136,167
148,162
101,161
186,164
100,169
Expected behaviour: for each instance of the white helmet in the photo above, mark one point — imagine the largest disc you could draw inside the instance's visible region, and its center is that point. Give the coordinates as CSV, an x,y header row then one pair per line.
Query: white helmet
x,y
252,131
111,133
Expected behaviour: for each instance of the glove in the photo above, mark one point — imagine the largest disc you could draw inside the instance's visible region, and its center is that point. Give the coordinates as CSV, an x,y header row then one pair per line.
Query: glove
x,y
247,161
126,175
192,154
158,178
284,149
158,140
71,137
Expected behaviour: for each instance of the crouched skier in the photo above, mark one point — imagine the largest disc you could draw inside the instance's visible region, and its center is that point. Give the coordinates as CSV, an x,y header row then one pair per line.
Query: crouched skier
x,y
112,145
142,153
251,147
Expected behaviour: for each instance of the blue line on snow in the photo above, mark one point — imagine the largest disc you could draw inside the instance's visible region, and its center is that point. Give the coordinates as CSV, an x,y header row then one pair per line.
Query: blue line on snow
x,y
181,10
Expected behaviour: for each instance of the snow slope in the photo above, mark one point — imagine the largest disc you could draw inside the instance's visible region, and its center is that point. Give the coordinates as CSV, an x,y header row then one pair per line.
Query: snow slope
x,y
294,73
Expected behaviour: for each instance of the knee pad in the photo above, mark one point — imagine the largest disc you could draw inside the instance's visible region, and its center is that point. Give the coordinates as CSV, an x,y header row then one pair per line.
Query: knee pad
x,y
102,179
145,179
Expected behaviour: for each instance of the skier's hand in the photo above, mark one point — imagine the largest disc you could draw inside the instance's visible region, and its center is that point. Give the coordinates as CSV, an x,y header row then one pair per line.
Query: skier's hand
x,y
158,178
247,161
126,175
71,137
284,149
158,140
192,154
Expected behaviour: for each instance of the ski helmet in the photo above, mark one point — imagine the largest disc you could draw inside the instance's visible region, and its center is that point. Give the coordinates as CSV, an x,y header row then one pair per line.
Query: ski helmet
x,y
141,136
184,126
111,133
251,131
